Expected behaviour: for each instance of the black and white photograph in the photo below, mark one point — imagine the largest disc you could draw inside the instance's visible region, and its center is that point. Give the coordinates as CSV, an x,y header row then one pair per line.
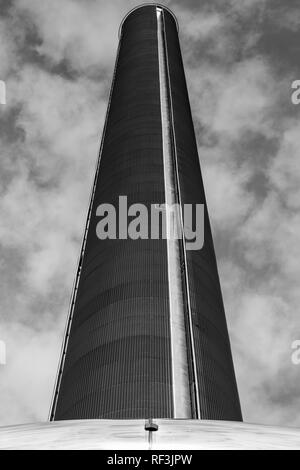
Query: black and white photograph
x,y
149,228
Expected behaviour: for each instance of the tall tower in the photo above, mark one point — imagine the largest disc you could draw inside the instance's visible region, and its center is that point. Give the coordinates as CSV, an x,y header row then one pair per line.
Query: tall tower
x,y
146,333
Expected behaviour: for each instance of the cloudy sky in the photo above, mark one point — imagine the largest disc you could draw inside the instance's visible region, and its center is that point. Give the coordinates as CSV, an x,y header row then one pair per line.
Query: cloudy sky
x,y
241,57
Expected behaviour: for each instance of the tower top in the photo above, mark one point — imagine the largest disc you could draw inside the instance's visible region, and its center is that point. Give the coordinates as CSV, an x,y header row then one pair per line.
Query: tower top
x,y
143,5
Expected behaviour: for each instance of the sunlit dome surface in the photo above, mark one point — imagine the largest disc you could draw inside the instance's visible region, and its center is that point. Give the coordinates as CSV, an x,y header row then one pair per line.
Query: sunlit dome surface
x,y
131,434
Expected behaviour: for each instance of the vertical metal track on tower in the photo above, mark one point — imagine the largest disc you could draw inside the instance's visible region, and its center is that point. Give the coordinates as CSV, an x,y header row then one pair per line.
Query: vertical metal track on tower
x,y
180,375
182,339
82,250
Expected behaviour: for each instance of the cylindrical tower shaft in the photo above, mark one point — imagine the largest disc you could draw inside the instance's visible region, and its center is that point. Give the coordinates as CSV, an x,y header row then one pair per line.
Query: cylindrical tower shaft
x,y
146,334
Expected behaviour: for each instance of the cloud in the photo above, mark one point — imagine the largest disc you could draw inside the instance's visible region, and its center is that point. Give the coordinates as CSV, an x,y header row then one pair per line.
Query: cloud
x,y
198,26
82,33
284,16
262,326
228,199
234,100
28,377
285,169
45,201
8,55
70,31
243,99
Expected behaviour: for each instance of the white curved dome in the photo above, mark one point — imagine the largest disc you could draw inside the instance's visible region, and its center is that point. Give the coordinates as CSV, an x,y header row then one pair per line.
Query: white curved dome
x,y
131,434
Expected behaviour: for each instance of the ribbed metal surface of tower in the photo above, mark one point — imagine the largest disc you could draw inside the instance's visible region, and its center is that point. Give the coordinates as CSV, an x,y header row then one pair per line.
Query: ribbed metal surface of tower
x,y
146,334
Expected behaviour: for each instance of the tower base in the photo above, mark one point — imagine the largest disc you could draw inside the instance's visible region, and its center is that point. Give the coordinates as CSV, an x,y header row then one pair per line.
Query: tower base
x,y
170,434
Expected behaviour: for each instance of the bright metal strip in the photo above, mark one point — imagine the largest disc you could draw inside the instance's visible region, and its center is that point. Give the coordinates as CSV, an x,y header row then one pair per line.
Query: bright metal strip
x,y
191,334
180,376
